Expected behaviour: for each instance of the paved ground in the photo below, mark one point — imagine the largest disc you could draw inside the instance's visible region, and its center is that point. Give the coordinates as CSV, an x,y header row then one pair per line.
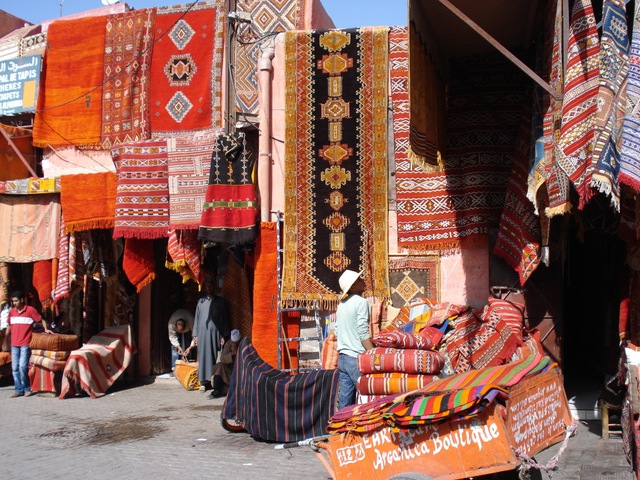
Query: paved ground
x,y
158,430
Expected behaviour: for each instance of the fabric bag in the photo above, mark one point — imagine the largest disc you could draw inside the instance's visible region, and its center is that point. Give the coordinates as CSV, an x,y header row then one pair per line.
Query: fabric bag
x,y
187,374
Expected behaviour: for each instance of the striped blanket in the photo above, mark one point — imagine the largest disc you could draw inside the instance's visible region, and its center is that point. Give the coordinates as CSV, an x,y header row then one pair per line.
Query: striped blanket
x,y
392,383
275,406
94,367
381,360
389,410
427,339
47,363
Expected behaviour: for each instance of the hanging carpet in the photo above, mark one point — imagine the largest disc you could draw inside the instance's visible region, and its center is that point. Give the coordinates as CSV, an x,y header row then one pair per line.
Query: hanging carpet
x,y
189,164
414,277
138,262
127,59
30,226
183,255
336,176
274,406
70,97
88,200
142,198
230,210
186,67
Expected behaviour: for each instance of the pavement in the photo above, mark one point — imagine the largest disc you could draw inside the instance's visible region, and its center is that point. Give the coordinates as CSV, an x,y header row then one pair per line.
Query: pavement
x,y
155,429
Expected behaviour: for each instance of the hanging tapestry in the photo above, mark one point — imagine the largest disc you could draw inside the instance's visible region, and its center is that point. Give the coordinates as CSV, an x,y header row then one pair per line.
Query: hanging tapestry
x,y
142,197
70,96
30,226
62,289
88,200
466,198
186,67
189,163
630,148
42,281
518,241
230,210
138,262
336,176
414,277
602,171
428,109
127,58
577,141
183,255
267,16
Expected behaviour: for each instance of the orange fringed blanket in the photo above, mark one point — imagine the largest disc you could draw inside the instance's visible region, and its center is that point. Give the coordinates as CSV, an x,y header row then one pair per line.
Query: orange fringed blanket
x,y
88,201
70,99
138,262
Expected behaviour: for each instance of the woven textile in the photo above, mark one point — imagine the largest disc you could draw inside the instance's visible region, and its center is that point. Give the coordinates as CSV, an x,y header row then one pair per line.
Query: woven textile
x,y
70,97
230,210
189,164
142,196
518,241
53,354
630,148
43,281
274,406
267,16
127,58
30,226
602,172
138,262
56,342
34,44
12,166
88,201
386,360
466,198
94,367
184,255
373,415
48,363
476,344
512,313
392,383
427,339
335,178
330,352
577,141
43,380
414,277
186,67
62,288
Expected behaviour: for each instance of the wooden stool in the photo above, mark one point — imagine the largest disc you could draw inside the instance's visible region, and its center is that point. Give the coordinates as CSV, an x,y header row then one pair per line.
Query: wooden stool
x,y
606,411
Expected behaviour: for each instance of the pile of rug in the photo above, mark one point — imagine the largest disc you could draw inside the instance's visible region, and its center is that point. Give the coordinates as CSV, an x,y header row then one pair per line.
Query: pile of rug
x,y
49,354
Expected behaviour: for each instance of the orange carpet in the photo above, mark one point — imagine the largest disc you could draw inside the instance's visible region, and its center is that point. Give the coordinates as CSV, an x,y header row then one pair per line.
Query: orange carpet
x,y
88,201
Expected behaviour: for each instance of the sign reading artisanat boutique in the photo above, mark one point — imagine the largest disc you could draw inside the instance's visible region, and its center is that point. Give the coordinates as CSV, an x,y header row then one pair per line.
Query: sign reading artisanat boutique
x,y
19,78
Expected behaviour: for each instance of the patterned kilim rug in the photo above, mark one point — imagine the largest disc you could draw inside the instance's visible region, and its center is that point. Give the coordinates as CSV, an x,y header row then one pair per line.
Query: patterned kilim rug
x,y
189,165
142,198
127,58
70,99
230,211
30,226
414,277
186,68
336,178
630,150
267,16
579,105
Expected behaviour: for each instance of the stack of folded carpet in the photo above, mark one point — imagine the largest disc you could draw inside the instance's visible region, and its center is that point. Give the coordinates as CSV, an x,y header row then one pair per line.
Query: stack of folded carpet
x,y
49,354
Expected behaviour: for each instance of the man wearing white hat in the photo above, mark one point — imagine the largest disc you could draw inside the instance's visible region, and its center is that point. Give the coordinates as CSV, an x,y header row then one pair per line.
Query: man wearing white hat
x,y
352,332
224,368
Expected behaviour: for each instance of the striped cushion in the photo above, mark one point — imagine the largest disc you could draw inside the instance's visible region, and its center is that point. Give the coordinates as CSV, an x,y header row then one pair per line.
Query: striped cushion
x,y
392,383
427,339
330,352
50,354
383,360
54,341
48,363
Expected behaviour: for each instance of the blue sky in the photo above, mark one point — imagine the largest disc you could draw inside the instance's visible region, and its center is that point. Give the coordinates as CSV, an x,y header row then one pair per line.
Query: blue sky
x,y
345,13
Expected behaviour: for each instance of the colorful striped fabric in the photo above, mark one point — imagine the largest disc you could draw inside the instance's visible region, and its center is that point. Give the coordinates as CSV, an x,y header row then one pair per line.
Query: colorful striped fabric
x,y
48,363
274,406
427,339
512,313
55,355
380,412
392,383
43,380
384,360
630,149
579,107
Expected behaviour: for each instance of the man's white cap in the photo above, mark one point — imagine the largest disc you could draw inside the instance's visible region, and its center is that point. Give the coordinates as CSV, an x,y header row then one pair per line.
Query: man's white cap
x,y
347,279
235,335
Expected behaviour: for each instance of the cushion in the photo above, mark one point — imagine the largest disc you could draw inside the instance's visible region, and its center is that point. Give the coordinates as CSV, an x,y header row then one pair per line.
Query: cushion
x,y
427,339
383,360
330,352
54,341
512,313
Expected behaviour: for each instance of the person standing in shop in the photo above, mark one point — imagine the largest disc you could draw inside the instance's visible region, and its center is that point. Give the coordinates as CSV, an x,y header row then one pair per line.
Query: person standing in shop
x,y
21,320
352,333
210,326
180,329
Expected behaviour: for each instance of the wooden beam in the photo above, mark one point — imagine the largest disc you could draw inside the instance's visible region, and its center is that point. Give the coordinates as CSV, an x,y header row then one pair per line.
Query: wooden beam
x,y
17,152
501,48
